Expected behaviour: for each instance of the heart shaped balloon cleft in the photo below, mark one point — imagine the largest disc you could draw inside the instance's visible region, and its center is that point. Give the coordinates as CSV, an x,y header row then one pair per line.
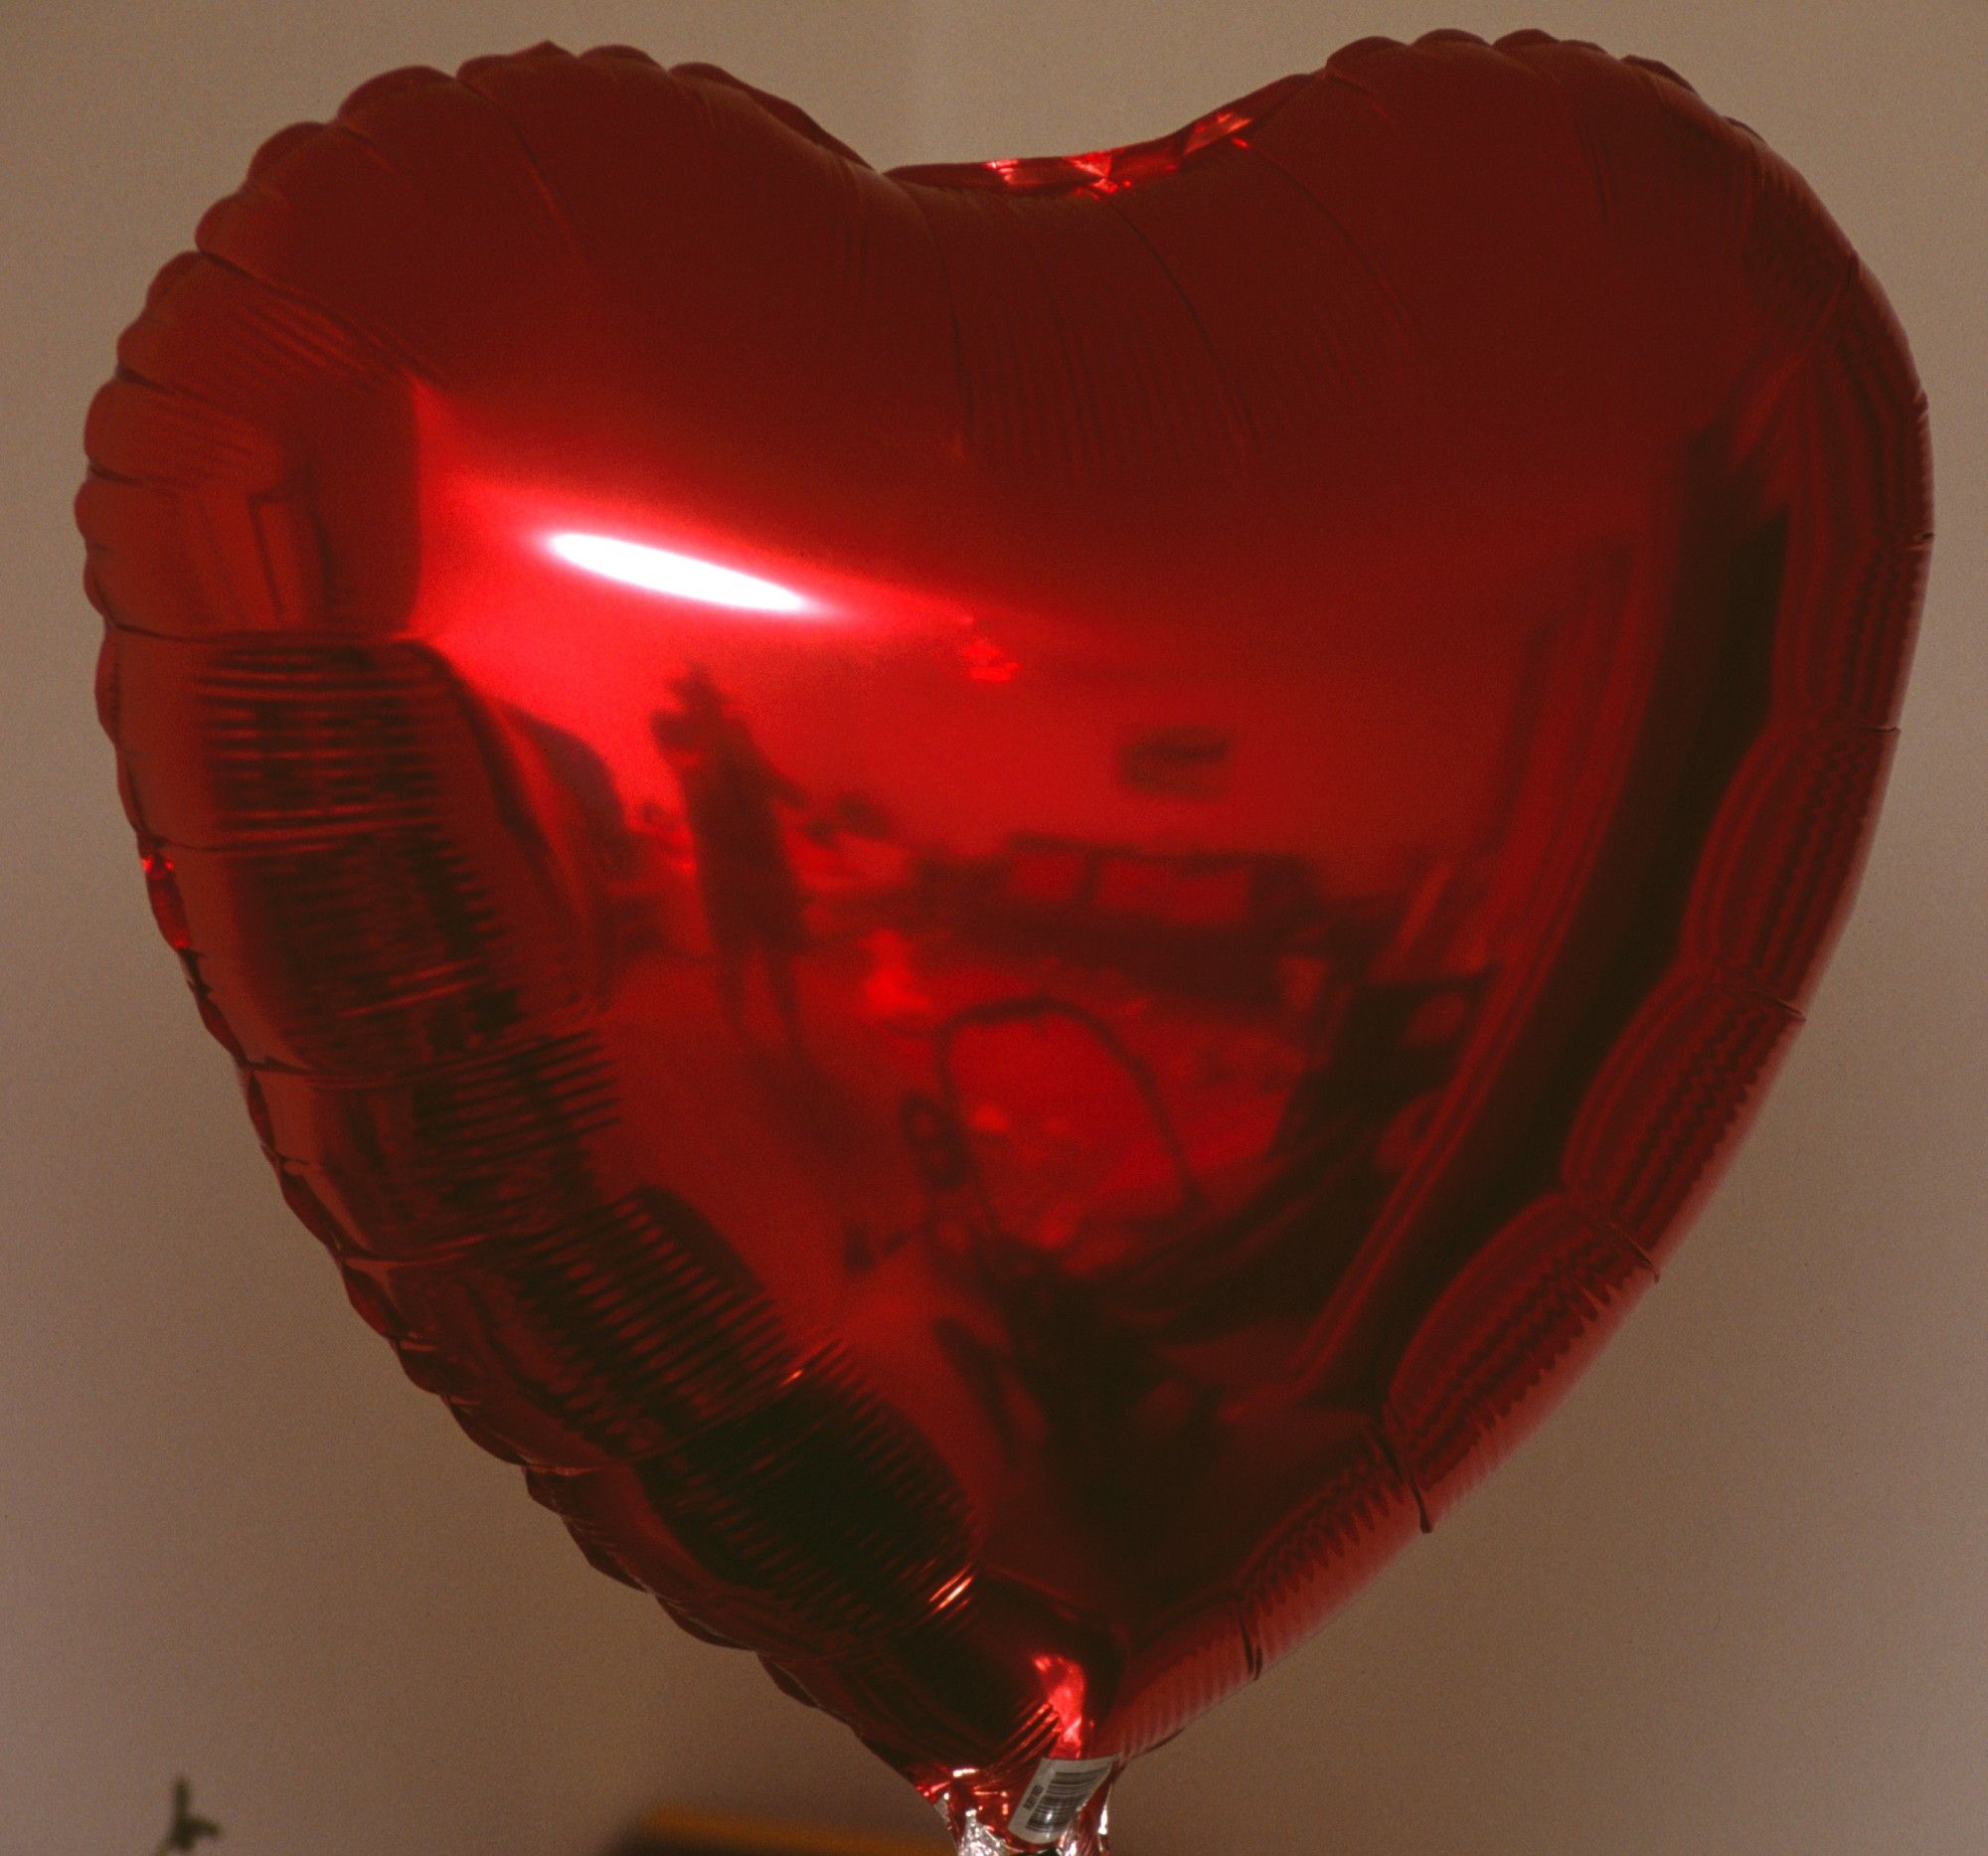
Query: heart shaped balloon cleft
x,y
1003,903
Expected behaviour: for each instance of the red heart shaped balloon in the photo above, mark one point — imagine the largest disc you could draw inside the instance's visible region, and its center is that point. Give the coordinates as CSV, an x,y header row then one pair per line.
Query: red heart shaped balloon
x,y
1001,903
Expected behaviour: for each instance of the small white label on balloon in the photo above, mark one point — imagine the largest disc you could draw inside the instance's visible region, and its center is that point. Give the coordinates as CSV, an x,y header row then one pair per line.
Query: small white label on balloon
x,y
1060,1789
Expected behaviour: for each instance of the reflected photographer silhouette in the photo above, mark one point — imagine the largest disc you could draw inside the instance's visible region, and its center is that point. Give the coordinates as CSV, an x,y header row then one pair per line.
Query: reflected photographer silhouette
x,y
732,794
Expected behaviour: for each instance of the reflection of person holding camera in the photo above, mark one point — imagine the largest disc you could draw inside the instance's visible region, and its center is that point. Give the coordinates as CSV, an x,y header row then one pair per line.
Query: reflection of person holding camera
x,y
732,794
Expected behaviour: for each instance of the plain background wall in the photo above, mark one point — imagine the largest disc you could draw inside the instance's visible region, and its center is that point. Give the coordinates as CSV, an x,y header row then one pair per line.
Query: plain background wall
x,y
1730,1599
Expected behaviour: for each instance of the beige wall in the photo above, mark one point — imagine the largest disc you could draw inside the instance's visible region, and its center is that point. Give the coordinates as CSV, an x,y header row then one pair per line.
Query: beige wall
x,y
1733,1599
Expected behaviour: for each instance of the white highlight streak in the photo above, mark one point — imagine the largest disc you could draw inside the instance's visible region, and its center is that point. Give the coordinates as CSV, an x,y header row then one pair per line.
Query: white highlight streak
x,y
677,576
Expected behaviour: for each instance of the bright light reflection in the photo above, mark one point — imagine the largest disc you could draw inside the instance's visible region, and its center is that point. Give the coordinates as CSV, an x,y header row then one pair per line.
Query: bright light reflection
x,y
679,575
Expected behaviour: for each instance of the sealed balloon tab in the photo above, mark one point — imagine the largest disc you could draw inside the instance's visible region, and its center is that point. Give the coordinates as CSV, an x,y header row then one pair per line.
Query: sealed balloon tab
x,y
1060,1789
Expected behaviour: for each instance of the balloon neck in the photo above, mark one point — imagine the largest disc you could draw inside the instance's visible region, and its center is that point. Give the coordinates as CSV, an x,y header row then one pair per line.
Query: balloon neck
x,y
1058,1809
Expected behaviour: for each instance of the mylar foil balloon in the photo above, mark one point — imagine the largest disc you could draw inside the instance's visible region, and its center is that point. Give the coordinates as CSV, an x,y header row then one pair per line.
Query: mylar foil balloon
x,y
1003,903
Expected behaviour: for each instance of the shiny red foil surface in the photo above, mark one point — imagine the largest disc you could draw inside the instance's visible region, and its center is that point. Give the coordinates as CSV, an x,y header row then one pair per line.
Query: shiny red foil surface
x,y
1002,904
